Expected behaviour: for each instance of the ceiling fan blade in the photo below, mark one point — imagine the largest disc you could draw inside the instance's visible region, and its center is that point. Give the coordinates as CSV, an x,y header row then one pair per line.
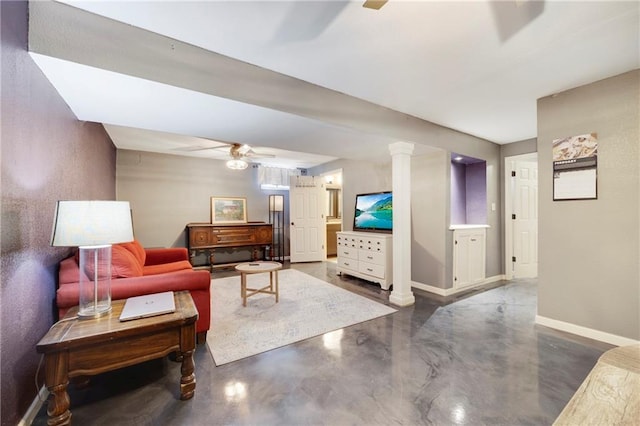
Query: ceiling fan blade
x,y
374,4
244,149
197,148
253,154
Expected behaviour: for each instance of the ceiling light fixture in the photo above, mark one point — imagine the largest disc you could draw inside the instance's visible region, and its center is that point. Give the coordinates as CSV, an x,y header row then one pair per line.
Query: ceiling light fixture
x,y
237,164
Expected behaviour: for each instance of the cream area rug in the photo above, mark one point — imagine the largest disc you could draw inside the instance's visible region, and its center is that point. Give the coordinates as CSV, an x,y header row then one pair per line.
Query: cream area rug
x,y
308,307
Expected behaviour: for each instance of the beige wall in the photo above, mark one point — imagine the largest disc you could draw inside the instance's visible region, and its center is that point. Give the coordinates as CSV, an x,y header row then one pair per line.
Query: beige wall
x,y
589,249
168,191
430,205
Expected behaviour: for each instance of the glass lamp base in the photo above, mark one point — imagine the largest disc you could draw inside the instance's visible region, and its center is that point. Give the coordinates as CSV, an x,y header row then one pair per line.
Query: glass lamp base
x,y
95,281
92,313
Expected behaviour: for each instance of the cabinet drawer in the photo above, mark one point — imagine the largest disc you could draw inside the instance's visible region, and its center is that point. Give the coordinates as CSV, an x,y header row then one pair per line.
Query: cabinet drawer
x,y
348,253
240,236
371,257
371,269
347,263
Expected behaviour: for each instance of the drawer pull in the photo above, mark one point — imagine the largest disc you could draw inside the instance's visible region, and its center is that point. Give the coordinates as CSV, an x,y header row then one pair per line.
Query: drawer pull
x,y
369,269
370,257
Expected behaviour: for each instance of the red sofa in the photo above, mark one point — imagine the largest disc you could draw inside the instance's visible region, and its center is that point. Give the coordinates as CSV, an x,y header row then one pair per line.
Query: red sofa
x,y
136,271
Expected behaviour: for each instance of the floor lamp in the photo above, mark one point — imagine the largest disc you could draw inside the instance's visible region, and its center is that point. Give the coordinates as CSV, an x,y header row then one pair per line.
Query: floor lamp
x,y
276,218
92,226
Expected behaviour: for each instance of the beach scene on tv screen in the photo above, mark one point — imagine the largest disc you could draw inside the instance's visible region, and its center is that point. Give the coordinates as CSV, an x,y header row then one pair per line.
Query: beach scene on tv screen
x,y
374,211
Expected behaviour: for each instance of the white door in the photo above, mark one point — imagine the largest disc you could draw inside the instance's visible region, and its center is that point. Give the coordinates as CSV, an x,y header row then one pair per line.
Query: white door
x,y
308,227
525,219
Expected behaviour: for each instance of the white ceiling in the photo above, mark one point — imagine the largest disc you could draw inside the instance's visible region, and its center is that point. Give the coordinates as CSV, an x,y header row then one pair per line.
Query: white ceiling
x,y
476,66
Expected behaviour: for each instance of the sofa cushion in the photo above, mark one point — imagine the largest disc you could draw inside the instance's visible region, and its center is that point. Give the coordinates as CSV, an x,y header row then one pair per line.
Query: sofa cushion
x,y
163,268
69,271
124,263
137,250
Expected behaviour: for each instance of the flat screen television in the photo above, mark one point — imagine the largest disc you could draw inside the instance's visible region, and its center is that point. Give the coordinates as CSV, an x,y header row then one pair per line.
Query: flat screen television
x,y
374,212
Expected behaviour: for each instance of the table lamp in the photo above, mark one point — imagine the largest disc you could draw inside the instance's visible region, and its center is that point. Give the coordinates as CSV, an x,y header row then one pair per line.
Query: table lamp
x,y
92,226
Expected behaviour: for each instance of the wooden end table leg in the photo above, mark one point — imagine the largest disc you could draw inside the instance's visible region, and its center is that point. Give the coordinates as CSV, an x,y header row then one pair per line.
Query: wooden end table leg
x,y
188,379
277,289
57,380
187,369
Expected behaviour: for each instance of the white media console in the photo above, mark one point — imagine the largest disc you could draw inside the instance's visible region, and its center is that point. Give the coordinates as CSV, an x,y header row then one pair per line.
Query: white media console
x,y
366,255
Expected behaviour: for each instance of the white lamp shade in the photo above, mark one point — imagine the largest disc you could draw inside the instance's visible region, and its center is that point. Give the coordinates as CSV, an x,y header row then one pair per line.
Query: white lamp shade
x,y
91,223
276,203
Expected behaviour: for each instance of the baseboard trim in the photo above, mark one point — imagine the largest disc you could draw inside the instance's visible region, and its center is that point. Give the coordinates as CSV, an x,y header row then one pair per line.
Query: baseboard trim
x,y
495,278
431,289
35,407
590,333
450,291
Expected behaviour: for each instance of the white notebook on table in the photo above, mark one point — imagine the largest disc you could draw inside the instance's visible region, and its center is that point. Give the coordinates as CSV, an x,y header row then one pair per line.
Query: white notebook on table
x,y
148,305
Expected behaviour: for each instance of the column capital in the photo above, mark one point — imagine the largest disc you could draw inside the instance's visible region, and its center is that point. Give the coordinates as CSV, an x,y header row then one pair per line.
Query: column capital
x,y
401,148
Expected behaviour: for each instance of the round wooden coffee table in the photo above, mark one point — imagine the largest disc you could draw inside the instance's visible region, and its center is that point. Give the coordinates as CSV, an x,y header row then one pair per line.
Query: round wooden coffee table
x,y
255,268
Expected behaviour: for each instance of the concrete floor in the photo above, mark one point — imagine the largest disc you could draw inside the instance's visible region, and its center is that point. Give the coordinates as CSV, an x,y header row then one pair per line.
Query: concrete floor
x,y
473,359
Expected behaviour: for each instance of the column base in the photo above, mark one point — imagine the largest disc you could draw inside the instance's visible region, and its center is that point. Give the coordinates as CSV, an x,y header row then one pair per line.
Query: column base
x,y
402,299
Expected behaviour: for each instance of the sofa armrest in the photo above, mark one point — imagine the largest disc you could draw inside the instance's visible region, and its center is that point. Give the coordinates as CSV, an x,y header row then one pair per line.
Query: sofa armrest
x,y
165,255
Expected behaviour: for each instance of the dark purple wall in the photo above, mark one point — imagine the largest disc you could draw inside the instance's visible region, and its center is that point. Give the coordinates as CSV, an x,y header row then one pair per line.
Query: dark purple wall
x,y
47,155
477,193
458,193
468,193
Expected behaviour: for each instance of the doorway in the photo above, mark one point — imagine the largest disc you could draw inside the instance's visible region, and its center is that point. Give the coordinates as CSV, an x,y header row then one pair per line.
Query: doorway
x,y
521,216
333,181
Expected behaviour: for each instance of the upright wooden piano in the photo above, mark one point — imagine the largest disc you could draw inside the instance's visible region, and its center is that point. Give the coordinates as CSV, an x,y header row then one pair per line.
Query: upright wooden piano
x,y
207,237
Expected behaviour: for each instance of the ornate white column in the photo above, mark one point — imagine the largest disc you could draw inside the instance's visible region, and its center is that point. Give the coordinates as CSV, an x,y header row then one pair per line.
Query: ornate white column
x,y
401,176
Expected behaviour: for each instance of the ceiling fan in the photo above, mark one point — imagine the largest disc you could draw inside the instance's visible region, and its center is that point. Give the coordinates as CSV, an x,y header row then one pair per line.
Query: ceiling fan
x,y
238,152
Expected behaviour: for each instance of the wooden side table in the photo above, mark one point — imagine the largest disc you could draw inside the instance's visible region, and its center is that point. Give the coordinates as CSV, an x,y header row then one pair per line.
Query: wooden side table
x,y
255,268
85,347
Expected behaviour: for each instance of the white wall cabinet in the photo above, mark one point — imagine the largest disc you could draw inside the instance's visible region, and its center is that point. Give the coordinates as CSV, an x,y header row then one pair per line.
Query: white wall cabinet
x,y
469,253
366,255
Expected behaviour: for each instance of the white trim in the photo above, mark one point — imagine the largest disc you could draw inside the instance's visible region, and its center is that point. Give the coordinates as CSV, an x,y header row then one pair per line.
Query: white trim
x,y
590,333
454,227
35,407
494,278
449,291
431,289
